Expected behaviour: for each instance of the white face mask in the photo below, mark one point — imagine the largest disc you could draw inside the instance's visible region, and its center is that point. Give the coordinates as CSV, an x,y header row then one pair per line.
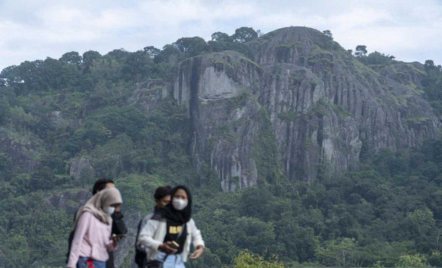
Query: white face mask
x,y
179,204
109,210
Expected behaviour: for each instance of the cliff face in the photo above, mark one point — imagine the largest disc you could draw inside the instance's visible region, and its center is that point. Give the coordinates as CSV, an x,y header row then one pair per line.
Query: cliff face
x,y
23,153
323,106
217,89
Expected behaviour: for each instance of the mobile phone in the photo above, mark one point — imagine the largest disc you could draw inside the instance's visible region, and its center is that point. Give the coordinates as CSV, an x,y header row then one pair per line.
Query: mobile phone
x,y
175,245
120,235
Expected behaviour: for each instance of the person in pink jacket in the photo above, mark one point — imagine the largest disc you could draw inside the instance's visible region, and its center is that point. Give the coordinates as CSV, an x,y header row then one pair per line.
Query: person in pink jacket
x,y
93,224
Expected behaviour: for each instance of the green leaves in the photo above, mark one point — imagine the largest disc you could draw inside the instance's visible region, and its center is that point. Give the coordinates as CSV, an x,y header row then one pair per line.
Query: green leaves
x,y
246,259
416,260
244,34
386,213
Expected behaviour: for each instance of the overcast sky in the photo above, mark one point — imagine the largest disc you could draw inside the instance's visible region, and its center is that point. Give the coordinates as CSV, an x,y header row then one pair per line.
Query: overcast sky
x,y
411,30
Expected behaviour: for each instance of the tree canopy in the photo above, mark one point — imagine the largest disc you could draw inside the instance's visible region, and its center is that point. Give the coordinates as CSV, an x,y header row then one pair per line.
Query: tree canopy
x,y
385,213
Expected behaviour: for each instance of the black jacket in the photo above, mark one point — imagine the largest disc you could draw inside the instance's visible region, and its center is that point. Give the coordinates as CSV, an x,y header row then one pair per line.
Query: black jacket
x,y
118,227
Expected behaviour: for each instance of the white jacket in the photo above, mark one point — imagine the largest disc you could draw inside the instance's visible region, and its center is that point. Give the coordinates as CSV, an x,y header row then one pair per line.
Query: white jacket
x,y
143,223
154,231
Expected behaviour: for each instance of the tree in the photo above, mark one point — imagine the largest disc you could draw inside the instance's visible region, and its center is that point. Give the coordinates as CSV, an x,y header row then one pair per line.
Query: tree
x,y
328,34
253,234
416,260
191,46
119,54
244,34
377,58
72,58
221,37
88,58
4,165
247,259
43,179
4,110
152,51
429,64
361,50
342,253
137,66
421,223
432,84
168,53
435,259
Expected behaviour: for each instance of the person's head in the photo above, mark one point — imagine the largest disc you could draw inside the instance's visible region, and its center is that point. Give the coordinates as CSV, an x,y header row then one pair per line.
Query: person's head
x,y
162,196
110,200
180,208
181,199
101,184
102,205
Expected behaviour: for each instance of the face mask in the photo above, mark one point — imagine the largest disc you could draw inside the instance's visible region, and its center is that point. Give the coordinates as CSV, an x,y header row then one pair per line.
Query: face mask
x,y
109,210
179,204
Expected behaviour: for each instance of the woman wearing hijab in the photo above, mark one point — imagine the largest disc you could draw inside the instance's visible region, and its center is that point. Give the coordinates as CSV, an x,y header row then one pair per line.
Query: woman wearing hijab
x,y
93,225
169,233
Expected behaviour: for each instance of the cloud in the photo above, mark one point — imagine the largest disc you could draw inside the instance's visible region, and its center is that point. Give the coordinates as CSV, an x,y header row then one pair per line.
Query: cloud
x,y
407,29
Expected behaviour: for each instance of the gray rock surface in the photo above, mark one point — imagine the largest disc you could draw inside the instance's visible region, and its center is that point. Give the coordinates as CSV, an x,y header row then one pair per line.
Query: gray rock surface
x,y
148,94
81,167
217,89
22,154
57,120
323,104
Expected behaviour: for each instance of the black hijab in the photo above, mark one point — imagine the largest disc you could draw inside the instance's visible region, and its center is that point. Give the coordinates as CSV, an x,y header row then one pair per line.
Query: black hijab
x,y
177,216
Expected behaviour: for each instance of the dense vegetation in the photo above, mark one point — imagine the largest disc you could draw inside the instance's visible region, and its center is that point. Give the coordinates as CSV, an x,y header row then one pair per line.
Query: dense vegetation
x,y
388,212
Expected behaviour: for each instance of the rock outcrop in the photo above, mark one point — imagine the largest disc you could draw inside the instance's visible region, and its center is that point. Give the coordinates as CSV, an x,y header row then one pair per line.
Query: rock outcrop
x,y
21,153
81,167
148,94
217,89
323,105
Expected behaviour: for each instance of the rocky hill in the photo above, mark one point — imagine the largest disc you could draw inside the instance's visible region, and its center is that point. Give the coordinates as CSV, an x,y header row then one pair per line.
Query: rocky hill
x,y
289,111
322,104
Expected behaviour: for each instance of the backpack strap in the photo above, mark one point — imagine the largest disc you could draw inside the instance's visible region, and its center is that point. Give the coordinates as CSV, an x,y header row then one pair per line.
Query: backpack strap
x,y
140,256
157,217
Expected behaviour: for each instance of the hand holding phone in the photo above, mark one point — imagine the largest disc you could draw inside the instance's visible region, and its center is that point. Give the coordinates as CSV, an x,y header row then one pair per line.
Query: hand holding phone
x,y
168,248
175,245
120,235
116,238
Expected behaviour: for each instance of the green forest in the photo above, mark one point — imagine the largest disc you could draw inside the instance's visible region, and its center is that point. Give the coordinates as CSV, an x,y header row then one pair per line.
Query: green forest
x,y
387,212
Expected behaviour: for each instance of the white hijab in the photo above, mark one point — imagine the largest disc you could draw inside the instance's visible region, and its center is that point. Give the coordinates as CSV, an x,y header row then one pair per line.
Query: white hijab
x,y
98,202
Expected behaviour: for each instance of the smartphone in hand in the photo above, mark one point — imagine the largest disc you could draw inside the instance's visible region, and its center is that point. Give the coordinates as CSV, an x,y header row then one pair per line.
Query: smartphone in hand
x,y
120,235
175,245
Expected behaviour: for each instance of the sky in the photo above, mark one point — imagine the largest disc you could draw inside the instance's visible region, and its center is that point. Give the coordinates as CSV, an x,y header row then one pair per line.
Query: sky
x,y
410,30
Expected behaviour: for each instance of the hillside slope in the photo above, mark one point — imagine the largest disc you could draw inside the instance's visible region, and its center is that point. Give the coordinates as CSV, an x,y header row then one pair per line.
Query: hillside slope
x,y
281,117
